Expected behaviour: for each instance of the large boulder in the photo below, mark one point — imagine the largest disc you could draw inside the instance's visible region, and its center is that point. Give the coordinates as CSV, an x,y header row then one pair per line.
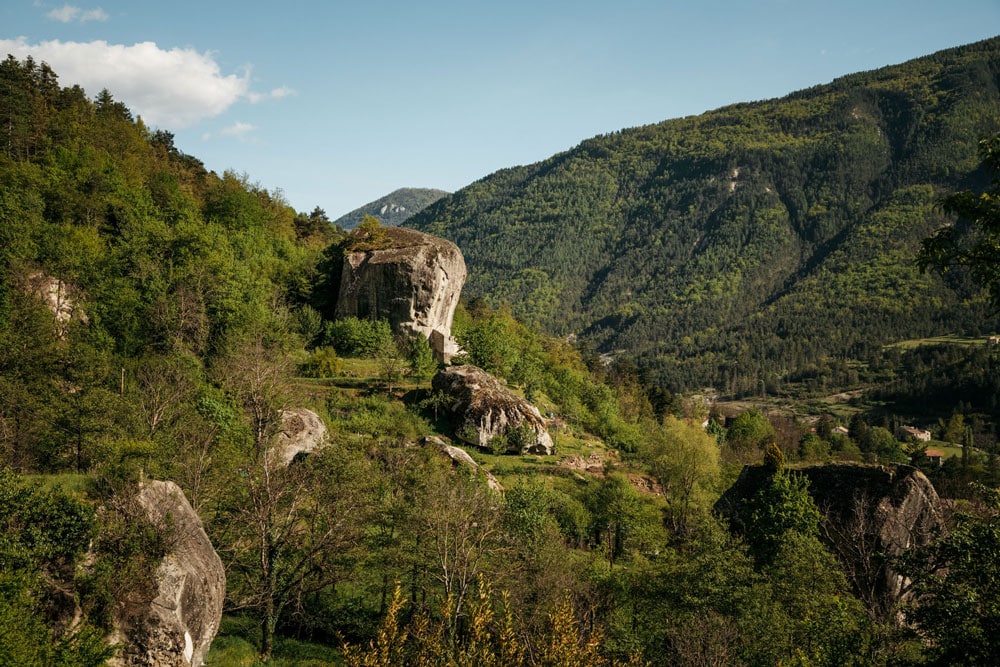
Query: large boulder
x,y
302,432
180,617
485,409
870,514
414,283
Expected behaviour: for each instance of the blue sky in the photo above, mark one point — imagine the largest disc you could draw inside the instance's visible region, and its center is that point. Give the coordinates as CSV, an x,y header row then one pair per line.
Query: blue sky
x,y
338,103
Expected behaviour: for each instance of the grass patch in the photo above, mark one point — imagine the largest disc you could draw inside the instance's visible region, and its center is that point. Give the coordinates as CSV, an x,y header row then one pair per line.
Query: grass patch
x,y
236,646
75,484
964,341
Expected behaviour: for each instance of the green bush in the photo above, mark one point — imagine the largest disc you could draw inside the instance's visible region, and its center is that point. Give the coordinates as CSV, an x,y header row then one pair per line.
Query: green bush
x,y
323,362
354,337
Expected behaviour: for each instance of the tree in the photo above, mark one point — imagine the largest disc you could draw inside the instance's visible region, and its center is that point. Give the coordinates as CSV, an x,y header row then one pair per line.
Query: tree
x,y
781,506
391,364
748,434
45,536
685,461
459,528
956,584
621,518
419,357
974,243
284,530
289,531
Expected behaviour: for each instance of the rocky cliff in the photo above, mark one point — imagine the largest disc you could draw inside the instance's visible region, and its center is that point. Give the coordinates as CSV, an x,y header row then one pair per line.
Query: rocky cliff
x,y
870,514
414,283
176,624
484,409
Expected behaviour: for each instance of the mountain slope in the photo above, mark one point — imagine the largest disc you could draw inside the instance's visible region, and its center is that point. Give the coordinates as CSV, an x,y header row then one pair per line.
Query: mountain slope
x,y
393,209
748,245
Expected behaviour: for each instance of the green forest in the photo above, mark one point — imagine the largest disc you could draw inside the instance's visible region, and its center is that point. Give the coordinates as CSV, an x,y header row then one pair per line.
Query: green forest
x,y
744,247
156,319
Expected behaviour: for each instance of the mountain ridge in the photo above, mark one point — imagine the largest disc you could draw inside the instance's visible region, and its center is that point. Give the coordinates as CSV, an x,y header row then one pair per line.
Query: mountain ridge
x,y
717,242
394,208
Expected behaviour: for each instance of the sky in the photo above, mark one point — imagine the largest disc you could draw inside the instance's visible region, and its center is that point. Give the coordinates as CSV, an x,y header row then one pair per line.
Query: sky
x,y
336,104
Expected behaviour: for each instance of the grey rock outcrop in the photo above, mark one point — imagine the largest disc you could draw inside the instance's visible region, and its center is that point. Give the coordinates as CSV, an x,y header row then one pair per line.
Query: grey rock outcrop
x,y
59,297
302,432
177,624
485,409
870,514
414,283
460,457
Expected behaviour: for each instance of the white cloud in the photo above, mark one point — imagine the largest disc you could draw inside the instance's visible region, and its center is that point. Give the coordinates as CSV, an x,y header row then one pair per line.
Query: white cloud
x,y
172,88
69,13
275,94
239,130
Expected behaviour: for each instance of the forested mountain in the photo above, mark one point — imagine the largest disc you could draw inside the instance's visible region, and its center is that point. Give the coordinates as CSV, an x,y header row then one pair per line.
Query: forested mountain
x,y
157,320
393,209
750,245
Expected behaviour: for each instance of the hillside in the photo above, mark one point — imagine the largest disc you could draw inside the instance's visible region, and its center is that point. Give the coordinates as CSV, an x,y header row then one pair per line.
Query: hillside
x,y
751,245
393,209
162,322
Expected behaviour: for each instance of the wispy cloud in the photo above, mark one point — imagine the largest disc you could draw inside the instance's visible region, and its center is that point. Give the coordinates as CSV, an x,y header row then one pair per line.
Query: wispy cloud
x,y
69,14
167,87
239,130
276,94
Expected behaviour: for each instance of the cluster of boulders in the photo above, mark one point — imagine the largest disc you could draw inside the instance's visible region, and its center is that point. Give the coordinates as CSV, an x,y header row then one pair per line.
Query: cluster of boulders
x,y
414,282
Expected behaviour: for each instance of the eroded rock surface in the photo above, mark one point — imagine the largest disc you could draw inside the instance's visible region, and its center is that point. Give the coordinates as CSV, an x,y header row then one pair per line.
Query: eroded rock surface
x,y
870,514
178,623
59,297
485,409
302,432
414,284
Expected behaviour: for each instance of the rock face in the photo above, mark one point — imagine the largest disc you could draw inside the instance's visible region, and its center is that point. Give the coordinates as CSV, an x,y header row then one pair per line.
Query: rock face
x,y
486,408
871,513
302,432
58,297
178,624
414,284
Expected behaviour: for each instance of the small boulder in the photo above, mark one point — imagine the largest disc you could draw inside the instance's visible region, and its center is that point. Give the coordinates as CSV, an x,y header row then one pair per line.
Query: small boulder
x,y
177,624
485,409
302,432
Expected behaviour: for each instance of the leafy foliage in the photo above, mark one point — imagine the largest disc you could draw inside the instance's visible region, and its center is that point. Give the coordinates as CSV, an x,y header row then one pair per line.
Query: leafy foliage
x,y
974,245
957,586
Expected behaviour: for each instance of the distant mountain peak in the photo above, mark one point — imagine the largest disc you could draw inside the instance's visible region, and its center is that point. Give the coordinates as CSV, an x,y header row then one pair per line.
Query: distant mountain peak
x,y
394,208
